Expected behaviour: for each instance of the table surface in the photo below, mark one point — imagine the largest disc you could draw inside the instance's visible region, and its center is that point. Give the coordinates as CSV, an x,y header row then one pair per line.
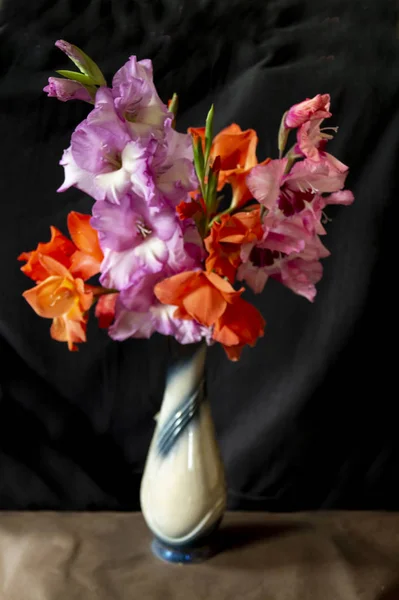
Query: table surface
x,y
106,556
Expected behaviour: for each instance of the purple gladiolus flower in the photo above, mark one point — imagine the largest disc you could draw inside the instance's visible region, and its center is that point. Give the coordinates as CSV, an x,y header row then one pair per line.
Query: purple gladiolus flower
x,y
173,165
103,160
136,99
65,89
135,238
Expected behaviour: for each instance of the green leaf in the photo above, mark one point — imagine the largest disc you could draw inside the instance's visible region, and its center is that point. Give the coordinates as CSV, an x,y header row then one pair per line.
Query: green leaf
x,y
75,76
86,65
199,159
210,199
92,70
208,134
174,104
92,91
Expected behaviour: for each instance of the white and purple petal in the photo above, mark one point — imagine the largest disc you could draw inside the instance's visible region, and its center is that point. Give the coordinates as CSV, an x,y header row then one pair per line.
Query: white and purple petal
x,y
74,176
179,179
98,141
119,270
136,98
157,318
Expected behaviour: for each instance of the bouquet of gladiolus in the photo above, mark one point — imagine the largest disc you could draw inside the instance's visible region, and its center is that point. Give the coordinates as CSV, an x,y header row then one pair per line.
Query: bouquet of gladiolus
x,y
168,246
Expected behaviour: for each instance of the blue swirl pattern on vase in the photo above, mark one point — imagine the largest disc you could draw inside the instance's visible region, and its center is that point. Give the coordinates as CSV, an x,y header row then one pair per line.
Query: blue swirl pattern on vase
x,y
177,423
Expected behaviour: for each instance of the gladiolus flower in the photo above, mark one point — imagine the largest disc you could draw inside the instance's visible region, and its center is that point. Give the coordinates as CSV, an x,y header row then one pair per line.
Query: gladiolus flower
x,y
271,185
136,98
212,301
60,248
82,256
226,238
198,295
240,324
310,109
306,117
60,267
86,260
65,89
63,298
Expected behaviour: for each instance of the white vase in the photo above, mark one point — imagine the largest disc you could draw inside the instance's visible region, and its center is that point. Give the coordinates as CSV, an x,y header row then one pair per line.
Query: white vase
x,y
183,490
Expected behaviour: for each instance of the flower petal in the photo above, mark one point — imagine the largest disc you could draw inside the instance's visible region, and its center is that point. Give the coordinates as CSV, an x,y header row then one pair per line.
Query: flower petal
x,y
311,108
60,248
264,181
65,89
84,236
105,310
173,289
77,177
240,324
51,298
205,304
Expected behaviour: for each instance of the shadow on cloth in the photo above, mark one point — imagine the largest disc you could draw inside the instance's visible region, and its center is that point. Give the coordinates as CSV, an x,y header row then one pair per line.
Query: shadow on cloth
x,y
290,542
391,593
235,536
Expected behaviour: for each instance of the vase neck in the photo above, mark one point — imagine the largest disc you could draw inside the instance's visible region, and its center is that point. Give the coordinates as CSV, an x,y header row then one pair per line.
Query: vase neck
x,y
184,377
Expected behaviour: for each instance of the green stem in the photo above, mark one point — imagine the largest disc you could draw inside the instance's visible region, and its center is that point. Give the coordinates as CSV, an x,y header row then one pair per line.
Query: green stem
x,y
219,215
105,291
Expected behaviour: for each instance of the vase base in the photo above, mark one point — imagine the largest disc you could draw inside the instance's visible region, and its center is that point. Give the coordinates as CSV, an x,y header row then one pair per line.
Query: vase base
x,y
183,554
196,551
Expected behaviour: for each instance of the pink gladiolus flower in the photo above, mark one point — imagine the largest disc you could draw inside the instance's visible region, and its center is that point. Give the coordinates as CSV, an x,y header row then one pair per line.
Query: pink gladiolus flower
x,y
300,276
293,271
311,140
271,186
310,109
65,89
291,248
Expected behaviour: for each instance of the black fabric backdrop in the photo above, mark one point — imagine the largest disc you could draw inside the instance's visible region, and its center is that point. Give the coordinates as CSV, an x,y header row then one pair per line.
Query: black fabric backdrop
x,y
305,420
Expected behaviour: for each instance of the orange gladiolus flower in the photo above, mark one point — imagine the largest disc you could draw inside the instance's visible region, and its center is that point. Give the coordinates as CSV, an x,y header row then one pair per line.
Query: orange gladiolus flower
x,y
82,256
60,248
237,151
226,238
198,295
212,301
60,268
86,261
240,324
63,298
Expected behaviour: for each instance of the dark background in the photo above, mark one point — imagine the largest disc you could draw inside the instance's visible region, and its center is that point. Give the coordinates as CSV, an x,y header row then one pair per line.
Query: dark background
x,y
305,420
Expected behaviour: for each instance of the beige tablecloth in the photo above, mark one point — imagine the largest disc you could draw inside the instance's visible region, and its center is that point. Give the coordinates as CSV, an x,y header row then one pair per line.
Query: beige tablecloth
x,y
106,556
